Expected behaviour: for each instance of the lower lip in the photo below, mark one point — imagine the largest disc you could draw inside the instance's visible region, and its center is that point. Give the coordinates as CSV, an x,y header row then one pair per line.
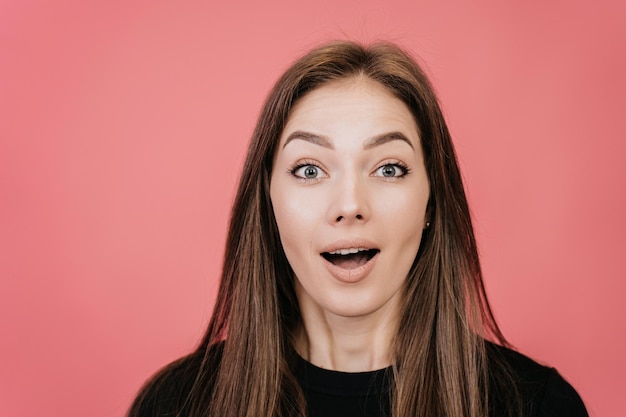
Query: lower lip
x,y
351,276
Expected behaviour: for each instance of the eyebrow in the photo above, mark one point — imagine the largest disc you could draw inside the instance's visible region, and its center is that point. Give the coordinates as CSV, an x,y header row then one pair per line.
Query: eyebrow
x,y
386,138
325,142
309,137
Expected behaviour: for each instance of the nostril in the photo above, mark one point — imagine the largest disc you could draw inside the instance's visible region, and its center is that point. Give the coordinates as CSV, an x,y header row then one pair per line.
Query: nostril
x,y
343,218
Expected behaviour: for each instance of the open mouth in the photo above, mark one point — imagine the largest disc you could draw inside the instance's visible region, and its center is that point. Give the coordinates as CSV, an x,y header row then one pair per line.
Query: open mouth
x,y
351,258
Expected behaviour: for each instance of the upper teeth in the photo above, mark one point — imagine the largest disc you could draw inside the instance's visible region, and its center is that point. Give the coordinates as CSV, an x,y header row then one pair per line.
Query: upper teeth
x,y
347,251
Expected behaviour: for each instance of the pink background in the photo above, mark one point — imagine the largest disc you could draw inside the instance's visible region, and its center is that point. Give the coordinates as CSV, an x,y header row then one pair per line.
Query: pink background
x,y
122,131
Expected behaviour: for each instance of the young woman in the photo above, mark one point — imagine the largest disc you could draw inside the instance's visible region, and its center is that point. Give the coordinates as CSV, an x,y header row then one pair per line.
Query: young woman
x,y
351,283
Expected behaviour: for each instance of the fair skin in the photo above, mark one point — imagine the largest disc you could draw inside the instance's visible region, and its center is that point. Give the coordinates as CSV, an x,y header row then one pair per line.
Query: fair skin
x,y
349,191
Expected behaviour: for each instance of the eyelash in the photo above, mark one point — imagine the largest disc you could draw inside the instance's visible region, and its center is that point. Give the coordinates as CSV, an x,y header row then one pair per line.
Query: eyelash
x,y
302,164
404,169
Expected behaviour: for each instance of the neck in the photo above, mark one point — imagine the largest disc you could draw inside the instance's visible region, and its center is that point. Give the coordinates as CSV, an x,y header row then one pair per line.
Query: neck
x,y
348,344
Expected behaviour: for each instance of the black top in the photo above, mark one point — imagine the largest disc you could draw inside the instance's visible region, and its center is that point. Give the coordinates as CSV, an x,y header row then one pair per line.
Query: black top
x,y
346,394
543,392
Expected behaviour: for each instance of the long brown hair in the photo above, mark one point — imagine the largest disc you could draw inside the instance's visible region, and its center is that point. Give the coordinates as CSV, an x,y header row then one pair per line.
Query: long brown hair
x,y
440,366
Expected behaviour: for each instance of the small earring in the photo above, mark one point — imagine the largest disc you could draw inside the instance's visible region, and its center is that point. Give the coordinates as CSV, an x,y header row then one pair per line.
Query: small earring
x,y
427,225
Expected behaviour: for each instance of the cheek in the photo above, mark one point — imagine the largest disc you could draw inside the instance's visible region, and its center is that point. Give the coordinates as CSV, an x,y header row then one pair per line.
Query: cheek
x,y
291,210
403,210
297,217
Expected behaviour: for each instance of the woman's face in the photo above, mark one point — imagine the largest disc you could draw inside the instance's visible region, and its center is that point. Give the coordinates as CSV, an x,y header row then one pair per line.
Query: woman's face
x,y
349,191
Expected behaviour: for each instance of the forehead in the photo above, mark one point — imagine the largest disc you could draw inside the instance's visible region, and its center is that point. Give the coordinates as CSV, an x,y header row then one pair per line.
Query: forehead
x,y
358,102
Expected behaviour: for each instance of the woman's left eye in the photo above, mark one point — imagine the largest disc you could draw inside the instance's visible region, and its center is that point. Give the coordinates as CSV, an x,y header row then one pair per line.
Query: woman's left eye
x,y
391,171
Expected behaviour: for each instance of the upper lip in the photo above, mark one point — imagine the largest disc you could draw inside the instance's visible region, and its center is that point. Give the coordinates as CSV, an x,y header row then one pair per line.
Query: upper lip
x,y
356,243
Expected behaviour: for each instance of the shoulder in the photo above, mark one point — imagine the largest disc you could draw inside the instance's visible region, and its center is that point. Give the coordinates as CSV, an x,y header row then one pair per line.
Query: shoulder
x,y
541,390
169,391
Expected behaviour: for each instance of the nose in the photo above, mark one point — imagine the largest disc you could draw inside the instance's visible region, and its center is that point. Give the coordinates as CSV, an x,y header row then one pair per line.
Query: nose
x,y
350,203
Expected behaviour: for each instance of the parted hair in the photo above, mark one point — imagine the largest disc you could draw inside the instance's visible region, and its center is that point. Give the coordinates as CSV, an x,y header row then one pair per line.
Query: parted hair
x,y
244,364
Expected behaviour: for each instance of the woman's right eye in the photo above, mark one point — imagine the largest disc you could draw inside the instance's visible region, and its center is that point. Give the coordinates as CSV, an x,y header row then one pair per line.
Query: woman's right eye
x,y
307,172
